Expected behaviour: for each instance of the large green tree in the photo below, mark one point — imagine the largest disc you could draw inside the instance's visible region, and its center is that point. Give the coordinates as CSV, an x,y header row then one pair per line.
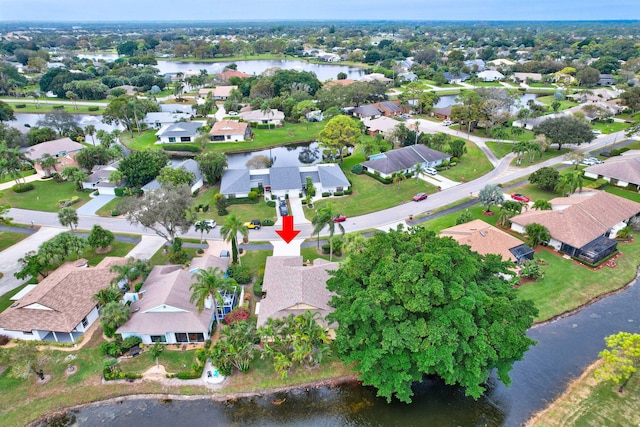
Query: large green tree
x,y
129,111
212,164
545,177
166,210
621,360
338,133
412,304
140,167
565,130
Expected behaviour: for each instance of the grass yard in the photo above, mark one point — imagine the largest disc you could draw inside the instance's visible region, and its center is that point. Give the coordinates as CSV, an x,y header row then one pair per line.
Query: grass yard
x,y
589,402
470,166
160,258
5,300
45,196
310,254
623,192
110,206
501,149
45,107
564,103
246,212
533,192
255,260
527,135
610,127
8,178
10,238
118,249
146,140
172,358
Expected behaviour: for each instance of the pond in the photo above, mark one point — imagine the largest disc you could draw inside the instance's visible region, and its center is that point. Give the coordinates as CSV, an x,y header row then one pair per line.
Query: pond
x,y
447,100
288,155
322,71
83,120
565,348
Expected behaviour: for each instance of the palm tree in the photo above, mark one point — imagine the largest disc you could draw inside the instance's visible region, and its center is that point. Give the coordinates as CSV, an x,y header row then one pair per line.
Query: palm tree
x,y
266,110
325,219
107,295
11,162
536,234
491,195
210,285
113,315
542,205
68,217
397,178
178,87
90,130
418,168
202,226
229,232
48,162
130,271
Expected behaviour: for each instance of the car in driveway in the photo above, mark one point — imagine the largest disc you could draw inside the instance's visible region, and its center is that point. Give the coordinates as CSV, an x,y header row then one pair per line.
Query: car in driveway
x,y
283,210
591,161
520,198
254,224
339,218
419,196
431,171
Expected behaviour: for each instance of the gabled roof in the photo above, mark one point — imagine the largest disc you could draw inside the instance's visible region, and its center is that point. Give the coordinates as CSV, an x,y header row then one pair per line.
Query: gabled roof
x,y
228,127
332,176
228,73
218,91
623,168
459,76
235,181
61,300
285,178
257,115
367,110
292,288
404,158
491,74
53,148
180,129
165,305
381,124
483,238
579,219
190,165
165,117
343,82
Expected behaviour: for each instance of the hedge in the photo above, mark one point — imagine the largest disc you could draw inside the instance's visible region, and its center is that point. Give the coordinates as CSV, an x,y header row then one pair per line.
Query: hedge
x,y
22,188
338,193
257,287
271,204
181,147
325,194
58,107
93,108
242,201
378,177
268,222
20,106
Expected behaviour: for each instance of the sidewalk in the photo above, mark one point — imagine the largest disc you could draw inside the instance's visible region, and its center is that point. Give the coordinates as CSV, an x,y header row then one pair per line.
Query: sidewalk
x,y
7,185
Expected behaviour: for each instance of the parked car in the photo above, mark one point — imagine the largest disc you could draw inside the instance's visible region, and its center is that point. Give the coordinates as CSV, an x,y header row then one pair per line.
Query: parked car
x,y
224,253
520,198
597,132
419,196
210,222
595,160
339,218
282,201
431,171
253,224
233,113
447,123
284,211
405,116
588,162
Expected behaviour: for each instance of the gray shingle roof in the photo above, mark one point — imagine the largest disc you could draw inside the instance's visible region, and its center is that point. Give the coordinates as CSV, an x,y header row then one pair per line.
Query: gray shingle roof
x,y
235,181
366,110
180,129
191,166
405,158
332,176
285,178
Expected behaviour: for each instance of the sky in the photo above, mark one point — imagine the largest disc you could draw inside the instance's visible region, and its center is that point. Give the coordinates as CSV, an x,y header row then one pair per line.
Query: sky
x,y
221,10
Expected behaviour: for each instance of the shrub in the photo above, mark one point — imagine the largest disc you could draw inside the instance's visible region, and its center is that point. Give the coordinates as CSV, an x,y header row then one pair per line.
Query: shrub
x,y
111,348
325,194
454,160
75,199
115,212
201,355
240,273
348,191
58,107
338,193
257,287
4,340
181,147
242,201
253,195
130,342
357,169
195,192
238,314
22,188
200,251
20,106
190,375
94,108
532,270
268,222
271,203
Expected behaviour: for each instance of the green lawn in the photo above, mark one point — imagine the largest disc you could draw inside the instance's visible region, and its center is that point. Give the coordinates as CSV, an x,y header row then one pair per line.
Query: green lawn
x,y
110,206
246,212
564,103
160,258
45,107
5,300
610,127
623,192
501,149
470,166
146,140
22,174
527,135
10,238
172,358
45,196
118,249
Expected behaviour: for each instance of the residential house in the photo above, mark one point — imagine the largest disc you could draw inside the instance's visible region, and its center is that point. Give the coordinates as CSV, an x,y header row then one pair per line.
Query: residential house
x,y
487,239
501,62
455,78
63,149
271,117
162,310
61,307
280,181
526,77
230,130
159,119
475,65
99,179
490,76
443,113
179,132
190,165
382,125
383,108
228,73
622,171
343,82
328,57
375,77
220,93
408,76
403,160
582,225
291,287
606,80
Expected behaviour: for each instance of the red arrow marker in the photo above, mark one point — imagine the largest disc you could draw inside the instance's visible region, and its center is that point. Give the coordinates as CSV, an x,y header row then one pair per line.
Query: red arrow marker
x,y
287,233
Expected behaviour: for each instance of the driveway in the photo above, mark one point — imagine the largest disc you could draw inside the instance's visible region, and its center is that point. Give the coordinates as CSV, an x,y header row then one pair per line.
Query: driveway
x,y
94,204
9,184
147,247
9,257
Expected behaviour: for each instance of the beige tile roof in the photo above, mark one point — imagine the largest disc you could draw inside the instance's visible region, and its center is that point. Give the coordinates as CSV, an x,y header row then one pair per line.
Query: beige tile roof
x,y
61,300
292,288
227,74
228,127
585,217
165,304
623,168
483,238
53,148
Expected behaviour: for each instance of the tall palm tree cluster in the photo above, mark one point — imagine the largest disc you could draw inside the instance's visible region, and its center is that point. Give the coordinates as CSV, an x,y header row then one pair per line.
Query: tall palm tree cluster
x,y
324,218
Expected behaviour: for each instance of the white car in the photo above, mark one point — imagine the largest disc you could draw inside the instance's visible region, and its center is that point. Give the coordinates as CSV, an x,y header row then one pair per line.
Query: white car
x,y
447,123
597,132
210,222
431,171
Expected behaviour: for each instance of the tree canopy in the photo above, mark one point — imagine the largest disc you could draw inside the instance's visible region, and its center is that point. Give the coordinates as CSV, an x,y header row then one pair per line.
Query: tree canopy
x,y
565,130
410,304
140,167
339,132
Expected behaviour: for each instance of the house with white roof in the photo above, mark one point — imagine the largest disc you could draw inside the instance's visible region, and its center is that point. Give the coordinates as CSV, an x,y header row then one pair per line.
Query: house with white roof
x,y
490,76
403,160
190,165
271,117
179,132
99,179
159,119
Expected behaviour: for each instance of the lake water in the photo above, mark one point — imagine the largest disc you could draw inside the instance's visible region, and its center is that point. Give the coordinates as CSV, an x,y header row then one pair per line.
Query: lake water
x,y
323,71
447,100
565,348
82,120
289,155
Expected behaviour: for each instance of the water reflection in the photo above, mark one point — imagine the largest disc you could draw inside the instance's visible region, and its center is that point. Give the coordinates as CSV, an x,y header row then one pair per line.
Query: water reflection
x,y
308,155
